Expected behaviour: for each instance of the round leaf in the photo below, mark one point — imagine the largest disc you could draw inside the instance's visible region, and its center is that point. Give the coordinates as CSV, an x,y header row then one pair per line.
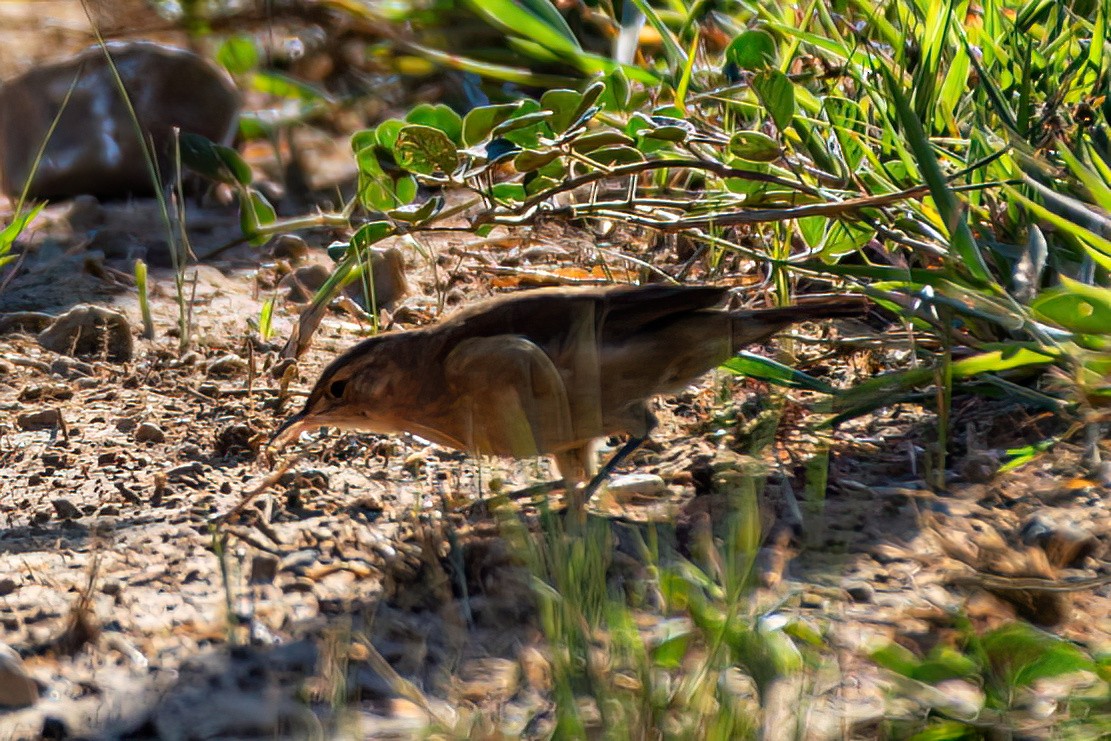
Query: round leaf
x,y
529,159
563,105
425,150
440,117
754,50
479,122
753,146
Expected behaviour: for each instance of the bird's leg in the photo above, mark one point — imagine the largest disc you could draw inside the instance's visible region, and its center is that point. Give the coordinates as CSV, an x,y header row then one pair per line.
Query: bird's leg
x,y
616,460
573,466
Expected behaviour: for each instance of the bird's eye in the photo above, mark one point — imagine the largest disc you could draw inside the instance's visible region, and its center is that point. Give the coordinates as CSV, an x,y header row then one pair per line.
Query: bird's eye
x,y
337,387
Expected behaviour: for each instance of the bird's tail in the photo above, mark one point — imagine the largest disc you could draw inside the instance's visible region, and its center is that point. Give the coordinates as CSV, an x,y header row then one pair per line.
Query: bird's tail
x,y
759,324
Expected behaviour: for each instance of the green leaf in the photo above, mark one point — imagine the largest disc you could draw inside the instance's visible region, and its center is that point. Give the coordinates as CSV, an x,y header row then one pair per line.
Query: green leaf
x,y
617,94
598,139
520,122
479,122
405,189
440,117
945,663
538,20
509,193
417,213
947,730
255,212
529,160
370,233
425,150
963,242
844,237
1021,654
377,190
754,146
563,105
617,156
387,131
849,127
19,222
238,54
765,369
752,50
282,86
1076,306
213,161
896,658
670,652
265,319
777,94
590,96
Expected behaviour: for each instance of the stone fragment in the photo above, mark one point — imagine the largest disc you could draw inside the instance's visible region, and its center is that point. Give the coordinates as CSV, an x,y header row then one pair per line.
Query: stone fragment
x,y
289,246
389,282
227,365
26,322
66,509
488,680
634,486
1066,544
148,432
43,419
860,591
264,568
95,148
90,331
85,213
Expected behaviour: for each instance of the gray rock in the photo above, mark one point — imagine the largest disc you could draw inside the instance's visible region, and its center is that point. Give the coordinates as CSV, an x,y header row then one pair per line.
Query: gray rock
x,y
95,148
90,331
85,213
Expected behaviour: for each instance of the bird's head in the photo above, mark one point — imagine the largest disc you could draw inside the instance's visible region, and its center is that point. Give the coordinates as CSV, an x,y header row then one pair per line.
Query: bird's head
x,y
347,395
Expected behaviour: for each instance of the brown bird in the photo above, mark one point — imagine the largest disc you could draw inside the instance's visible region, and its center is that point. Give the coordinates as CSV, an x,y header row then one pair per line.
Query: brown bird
x,y
545,371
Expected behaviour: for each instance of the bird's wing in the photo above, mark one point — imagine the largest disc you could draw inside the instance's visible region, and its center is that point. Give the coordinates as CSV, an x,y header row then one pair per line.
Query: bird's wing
x,y
510,398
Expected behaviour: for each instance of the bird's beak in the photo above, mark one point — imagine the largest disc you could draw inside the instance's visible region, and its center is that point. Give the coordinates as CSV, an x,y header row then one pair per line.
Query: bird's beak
x,y
289,430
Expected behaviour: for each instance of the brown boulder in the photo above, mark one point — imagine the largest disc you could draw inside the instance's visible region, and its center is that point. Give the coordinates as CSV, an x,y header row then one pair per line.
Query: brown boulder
x,y
95,148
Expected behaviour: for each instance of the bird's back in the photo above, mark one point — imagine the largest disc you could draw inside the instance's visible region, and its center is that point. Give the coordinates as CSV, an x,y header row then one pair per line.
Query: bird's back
x,y
543,315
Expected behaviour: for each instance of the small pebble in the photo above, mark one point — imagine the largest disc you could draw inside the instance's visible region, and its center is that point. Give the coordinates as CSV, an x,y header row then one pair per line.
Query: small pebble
x,y
66,509
860,591
488,679
90,331
637,485
148,432
289,246
44,419
227,365
264,567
